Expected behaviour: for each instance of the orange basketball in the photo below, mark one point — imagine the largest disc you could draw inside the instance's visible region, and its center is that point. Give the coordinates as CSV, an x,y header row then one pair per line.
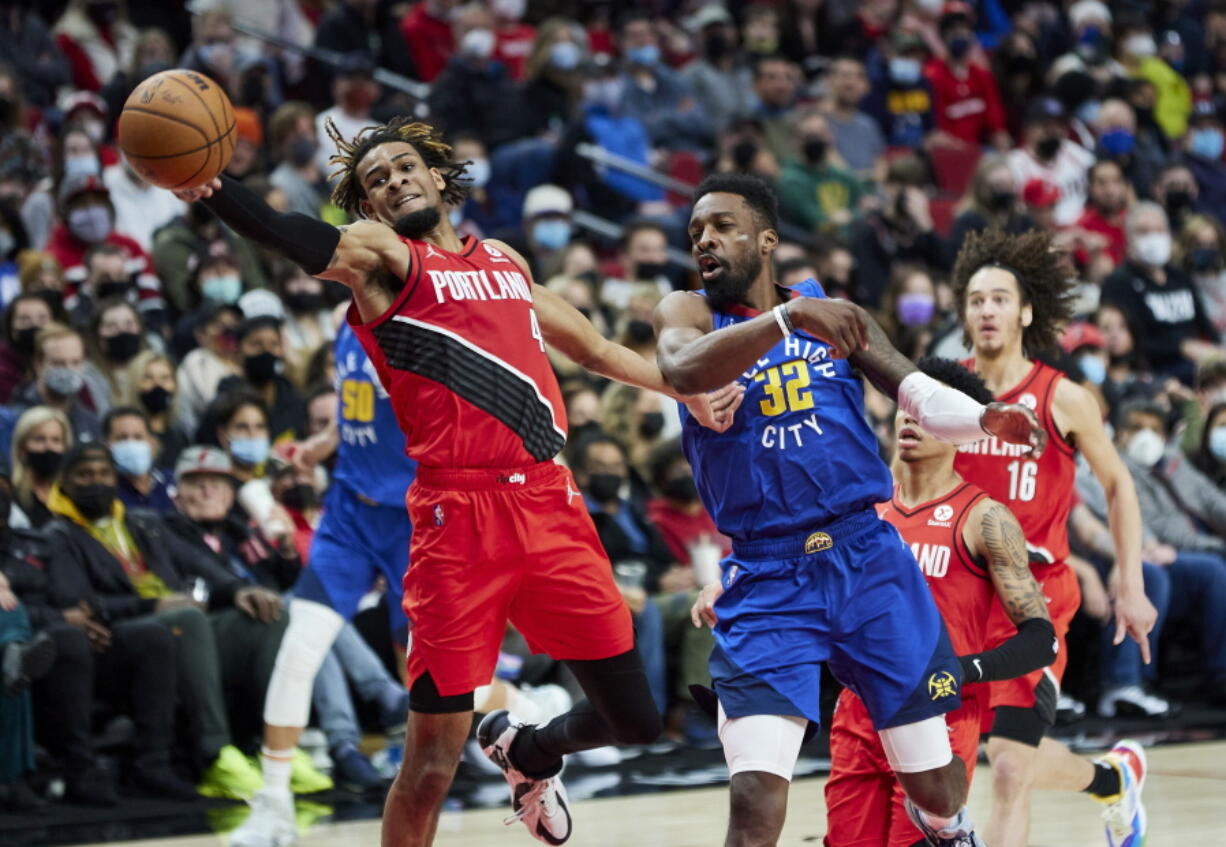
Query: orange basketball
x,y
177,129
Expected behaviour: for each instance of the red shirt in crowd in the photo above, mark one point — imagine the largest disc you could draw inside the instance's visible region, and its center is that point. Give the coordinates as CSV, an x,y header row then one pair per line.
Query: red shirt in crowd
x,y
429,41
1112,228
680,528
512,45
70,252
967,106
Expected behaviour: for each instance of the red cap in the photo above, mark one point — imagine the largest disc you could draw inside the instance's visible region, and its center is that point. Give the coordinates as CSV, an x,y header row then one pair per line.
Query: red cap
x,y
247,125
1040,193
1082,334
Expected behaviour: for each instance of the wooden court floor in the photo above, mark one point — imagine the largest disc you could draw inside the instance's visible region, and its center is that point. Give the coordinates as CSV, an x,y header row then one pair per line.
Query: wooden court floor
x,y
1185,795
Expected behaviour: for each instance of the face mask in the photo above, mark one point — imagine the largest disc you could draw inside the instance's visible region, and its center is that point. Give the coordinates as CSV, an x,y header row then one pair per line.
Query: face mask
x,y
604,486
1001,201
606,93
122,346
1145,447
478,43
815,150
1094,368
75,166
650,270
553,234
262,367
133,457
680,488
156,399
478,173
1205,259
456,216
1048,147
959,46
905,71
304,302
112,288
512,9
1088,111
301,151
45,463
300,497
1178,200
249,451
1217,443
651,424
743,154
1153,249
1206,143
226,288
90,223
565,55
647,56
93,501
716,46
1141,45
23,340
916,309
66,382
1117,142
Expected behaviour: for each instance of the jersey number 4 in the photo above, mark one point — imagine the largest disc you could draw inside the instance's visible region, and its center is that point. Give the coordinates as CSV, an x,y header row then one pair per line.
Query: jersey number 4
x,y
536,329
786,388
1022,476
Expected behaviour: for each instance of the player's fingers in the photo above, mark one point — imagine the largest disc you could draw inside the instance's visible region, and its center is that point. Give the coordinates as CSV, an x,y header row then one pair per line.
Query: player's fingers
x,y
695,616
1143,643
1121,629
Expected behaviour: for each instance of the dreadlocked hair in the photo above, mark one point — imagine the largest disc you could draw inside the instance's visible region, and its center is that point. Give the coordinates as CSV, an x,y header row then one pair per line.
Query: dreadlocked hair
x,y
436,153
1043,278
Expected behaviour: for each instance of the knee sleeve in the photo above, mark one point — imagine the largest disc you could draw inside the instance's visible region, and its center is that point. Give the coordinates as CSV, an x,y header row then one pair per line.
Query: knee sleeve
x,y
1025,726
917,747
308,638
766,743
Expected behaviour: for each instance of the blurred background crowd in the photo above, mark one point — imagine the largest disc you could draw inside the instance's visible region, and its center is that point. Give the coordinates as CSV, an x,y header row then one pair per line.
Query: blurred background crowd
x,y
153,366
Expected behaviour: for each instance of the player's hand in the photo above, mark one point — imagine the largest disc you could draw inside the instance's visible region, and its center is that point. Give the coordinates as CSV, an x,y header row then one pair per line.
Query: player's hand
x,y
1016,424
191,195
258,603
1135,617
840,323
703,610
717,409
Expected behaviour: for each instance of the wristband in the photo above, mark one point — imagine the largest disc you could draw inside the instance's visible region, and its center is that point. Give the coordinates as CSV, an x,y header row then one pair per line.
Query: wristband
x,y
783,319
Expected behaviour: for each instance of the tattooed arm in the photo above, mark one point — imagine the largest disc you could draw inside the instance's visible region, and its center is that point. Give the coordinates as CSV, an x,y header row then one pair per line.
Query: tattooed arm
x,y
992,535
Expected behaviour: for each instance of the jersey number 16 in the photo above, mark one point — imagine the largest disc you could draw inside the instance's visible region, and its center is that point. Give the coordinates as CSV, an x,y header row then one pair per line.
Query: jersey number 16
x,y
1022,476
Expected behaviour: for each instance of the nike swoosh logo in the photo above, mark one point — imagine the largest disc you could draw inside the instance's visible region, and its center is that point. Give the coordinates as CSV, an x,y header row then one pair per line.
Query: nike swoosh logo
x,y
978,667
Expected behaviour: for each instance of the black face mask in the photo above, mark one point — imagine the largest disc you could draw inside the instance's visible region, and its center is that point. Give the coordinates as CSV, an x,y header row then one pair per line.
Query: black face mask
x,y
23,340
1020,65
1001,201
300,497
716,46
959,46
156,399
651,424
121,347
815,150
44,463
640,332
301,151
582,431
261,367
743,154
1178,201
680,488
112,288
1205,259
304,302
93,501
604,486
650,270
1048,147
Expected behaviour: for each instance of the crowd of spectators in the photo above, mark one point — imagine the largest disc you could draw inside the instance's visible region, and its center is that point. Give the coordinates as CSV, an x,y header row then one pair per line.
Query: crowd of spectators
x,y
154,366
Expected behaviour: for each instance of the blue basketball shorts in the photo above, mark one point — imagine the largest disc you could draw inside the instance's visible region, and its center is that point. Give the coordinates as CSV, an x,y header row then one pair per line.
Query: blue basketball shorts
x,y
849,594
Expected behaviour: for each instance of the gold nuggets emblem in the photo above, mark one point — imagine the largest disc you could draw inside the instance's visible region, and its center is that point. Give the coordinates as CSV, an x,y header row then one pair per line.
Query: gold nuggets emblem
x,y
817,542
942,685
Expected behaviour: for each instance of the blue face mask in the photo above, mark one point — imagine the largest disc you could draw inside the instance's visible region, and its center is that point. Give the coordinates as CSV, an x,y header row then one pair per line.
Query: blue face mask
x,y
1118,142
226,288
905,71
648,55
1217,443
1088,111
1094,368
552,234
1206,143
565,55
249,451
133,457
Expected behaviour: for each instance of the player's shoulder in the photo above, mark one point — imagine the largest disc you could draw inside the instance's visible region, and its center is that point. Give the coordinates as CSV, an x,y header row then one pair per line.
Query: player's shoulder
x,y
684,309
1069,398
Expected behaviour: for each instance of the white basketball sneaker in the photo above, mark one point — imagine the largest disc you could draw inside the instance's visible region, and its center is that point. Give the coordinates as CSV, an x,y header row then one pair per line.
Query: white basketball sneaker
x,y
959,833
540,803
271,822
1124,816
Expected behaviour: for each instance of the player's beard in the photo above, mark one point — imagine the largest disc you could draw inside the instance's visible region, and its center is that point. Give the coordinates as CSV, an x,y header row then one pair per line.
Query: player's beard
x,y
417,223
734,284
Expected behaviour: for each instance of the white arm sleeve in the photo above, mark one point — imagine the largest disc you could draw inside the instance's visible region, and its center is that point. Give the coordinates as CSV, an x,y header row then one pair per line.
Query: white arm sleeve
x,y
943,412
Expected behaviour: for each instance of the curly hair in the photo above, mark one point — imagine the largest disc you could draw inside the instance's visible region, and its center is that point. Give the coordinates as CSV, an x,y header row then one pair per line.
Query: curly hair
x,y
956,376
436,153
1043,280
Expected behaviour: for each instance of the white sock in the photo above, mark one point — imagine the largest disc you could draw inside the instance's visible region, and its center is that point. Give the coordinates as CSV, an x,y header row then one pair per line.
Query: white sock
x,y
276,765
940,824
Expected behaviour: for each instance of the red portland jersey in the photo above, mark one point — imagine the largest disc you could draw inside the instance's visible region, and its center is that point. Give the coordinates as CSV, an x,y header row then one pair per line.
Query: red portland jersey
x,y
461,356
1040,491
961,588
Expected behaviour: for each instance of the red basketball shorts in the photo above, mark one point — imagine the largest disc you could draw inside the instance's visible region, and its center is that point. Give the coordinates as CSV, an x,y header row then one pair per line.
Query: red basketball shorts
x,y
864,802
491,546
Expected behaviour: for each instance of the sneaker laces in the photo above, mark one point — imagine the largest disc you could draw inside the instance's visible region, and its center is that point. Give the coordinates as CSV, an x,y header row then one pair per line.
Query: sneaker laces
x,y
526,803
1118,815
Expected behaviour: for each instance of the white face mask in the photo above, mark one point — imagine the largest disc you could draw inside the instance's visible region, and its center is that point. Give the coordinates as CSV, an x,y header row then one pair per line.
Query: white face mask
x,y
1141,45
1145,447
478,43
1153,249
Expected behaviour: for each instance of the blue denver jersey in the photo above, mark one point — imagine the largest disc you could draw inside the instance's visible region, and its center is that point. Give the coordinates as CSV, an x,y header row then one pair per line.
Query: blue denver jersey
x,y
800,453
370,459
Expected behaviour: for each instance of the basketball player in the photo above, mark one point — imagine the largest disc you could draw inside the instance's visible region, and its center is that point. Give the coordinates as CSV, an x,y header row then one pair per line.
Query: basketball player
x,y
1013,293
814,574
970,550
457,330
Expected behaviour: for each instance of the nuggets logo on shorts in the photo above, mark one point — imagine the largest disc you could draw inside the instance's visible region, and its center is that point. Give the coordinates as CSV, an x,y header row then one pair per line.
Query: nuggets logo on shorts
x,y
942,684
818,542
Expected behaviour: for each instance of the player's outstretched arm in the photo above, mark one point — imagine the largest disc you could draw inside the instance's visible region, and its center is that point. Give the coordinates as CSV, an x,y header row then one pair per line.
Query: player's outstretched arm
x,y
992,533
1076,414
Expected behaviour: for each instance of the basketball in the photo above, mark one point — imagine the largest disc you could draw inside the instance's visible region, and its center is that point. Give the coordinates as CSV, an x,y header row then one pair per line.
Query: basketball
x,y
177,129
